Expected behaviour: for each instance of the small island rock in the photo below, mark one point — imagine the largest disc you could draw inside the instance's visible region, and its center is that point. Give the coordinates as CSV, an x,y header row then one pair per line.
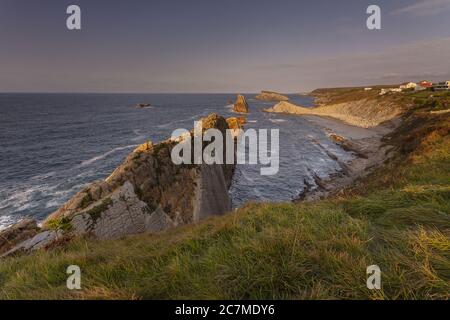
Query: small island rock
x,y
240,105
271,96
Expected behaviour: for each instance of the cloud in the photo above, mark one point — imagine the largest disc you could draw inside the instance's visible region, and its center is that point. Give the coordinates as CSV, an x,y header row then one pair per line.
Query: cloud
x,y
424,8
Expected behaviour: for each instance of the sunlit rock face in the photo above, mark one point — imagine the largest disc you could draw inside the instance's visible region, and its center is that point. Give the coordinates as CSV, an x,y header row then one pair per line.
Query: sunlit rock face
x,y
240,105
146,193
271,96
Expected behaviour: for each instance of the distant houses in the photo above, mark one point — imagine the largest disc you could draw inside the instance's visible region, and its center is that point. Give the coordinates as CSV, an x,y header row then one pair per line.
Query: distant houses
x,y
424,85
441,86
387,90
419,86
408,85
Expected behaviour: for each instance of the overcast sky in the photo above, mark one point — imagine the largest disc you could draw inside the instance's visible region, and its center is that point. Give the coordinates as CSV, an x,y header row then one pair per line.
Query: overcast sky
x,y
219,46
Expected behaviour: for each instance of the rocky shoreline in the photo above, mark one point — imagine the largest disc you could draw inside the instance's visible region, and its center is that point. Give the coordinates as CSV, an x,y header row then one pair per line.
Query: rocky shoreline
x,y
367,147
374,119
148,193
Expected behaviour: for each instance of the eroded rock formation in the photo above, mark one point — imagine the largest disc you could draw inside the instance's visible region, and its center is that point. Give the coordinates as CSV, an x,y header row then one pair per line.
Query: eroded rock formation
x,y
271,96
146,193
240,105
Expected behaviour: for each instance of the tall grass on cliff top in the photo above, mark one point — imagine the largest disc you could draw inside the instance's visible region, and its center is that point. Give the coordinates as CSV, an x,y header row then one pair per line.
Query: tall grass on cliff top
x,y
398,219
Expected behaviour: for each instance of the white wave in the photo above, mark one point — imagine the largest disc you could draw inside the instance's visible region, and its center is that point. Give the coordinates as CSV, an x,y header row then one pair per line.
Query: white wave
x,y
277,120
61,196
252,121
246,177
19,198
54,203
139,135
43,176
22,199
104,155
27,206
6,221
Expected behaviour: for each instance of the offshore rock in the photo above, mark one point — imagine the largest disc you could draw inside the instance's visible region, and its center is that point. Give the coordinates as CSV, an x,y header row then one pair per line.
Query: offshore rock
x,y
271,96
240,105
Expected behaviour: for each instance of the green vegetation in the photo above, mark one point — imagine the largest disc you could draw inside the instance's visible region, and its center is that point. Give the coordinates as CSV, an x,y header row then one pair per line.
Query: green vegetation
x,y
60,224
398,218
96,212
343,95
433,101
87,200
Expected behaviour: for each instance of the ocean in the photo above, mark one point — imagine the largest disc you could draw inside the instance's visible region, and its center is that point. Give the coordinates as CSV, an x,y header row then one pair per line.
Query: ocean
x,y
51,145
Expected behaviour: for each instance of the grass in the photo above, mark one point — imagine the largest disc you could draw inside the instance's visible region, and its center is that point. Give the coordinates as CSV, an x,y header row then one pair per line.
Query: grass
x,y
97,211
60,224
398,218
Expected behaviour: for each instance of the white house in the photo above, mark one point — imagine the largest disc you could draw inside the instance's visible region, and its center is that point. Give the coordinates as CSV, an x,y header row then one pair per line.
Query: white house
x,y
384,91
408,85
423,85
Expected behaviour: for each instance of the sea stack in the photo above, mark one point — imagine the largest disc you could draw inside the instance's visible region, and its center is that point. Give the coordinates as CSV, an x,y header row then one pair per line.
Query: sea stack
x,y
240,105
271,96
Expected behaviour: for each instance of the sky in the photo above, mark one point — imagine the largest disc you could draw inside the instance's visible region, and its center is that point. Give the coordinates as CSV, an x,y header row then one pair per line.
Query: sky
x,y
206,46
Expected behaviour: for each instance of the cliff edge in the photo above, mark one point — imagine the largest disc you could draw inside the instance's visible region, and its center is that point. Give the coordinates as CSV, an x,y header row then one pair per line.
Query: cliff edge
x,y
147,193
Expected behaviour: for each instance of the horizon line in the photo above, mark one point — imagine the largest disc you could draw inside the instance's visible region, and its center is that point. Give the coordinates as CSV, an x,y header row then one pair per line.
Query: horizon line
x,y
234,92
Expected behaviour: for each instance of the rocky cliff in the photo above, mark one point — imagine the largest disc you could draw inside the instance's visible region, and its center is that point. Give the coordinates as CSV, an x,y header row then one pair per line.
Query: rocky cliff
x,y
271,96
240,105
146,193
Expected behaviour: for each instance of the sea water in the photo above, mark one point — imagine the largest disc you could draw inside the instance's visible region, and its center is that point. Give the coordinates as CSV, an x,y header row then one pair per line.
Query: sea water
x,y
51,145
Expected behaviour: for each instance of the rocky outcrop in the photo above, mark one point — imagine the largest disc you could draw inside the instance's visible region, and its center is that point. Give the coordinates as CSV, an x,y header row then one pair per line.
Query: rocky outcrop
x,y
147,193
348,145
271,96
240,105
236,124
143,105
17,233
364,113
120,214
40,240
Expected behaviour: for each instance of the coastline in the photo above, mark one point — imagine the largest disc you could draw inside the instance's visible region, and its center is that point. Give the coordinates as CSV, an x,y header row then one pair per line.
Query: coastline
x,y
365,113
357,125
400,207
330,125
358,138
365,144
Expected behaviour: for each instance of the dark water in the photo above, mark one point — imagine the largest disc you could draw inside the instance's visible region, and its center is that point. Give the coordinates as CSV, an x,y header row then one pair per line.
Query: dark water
x,y
51,145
